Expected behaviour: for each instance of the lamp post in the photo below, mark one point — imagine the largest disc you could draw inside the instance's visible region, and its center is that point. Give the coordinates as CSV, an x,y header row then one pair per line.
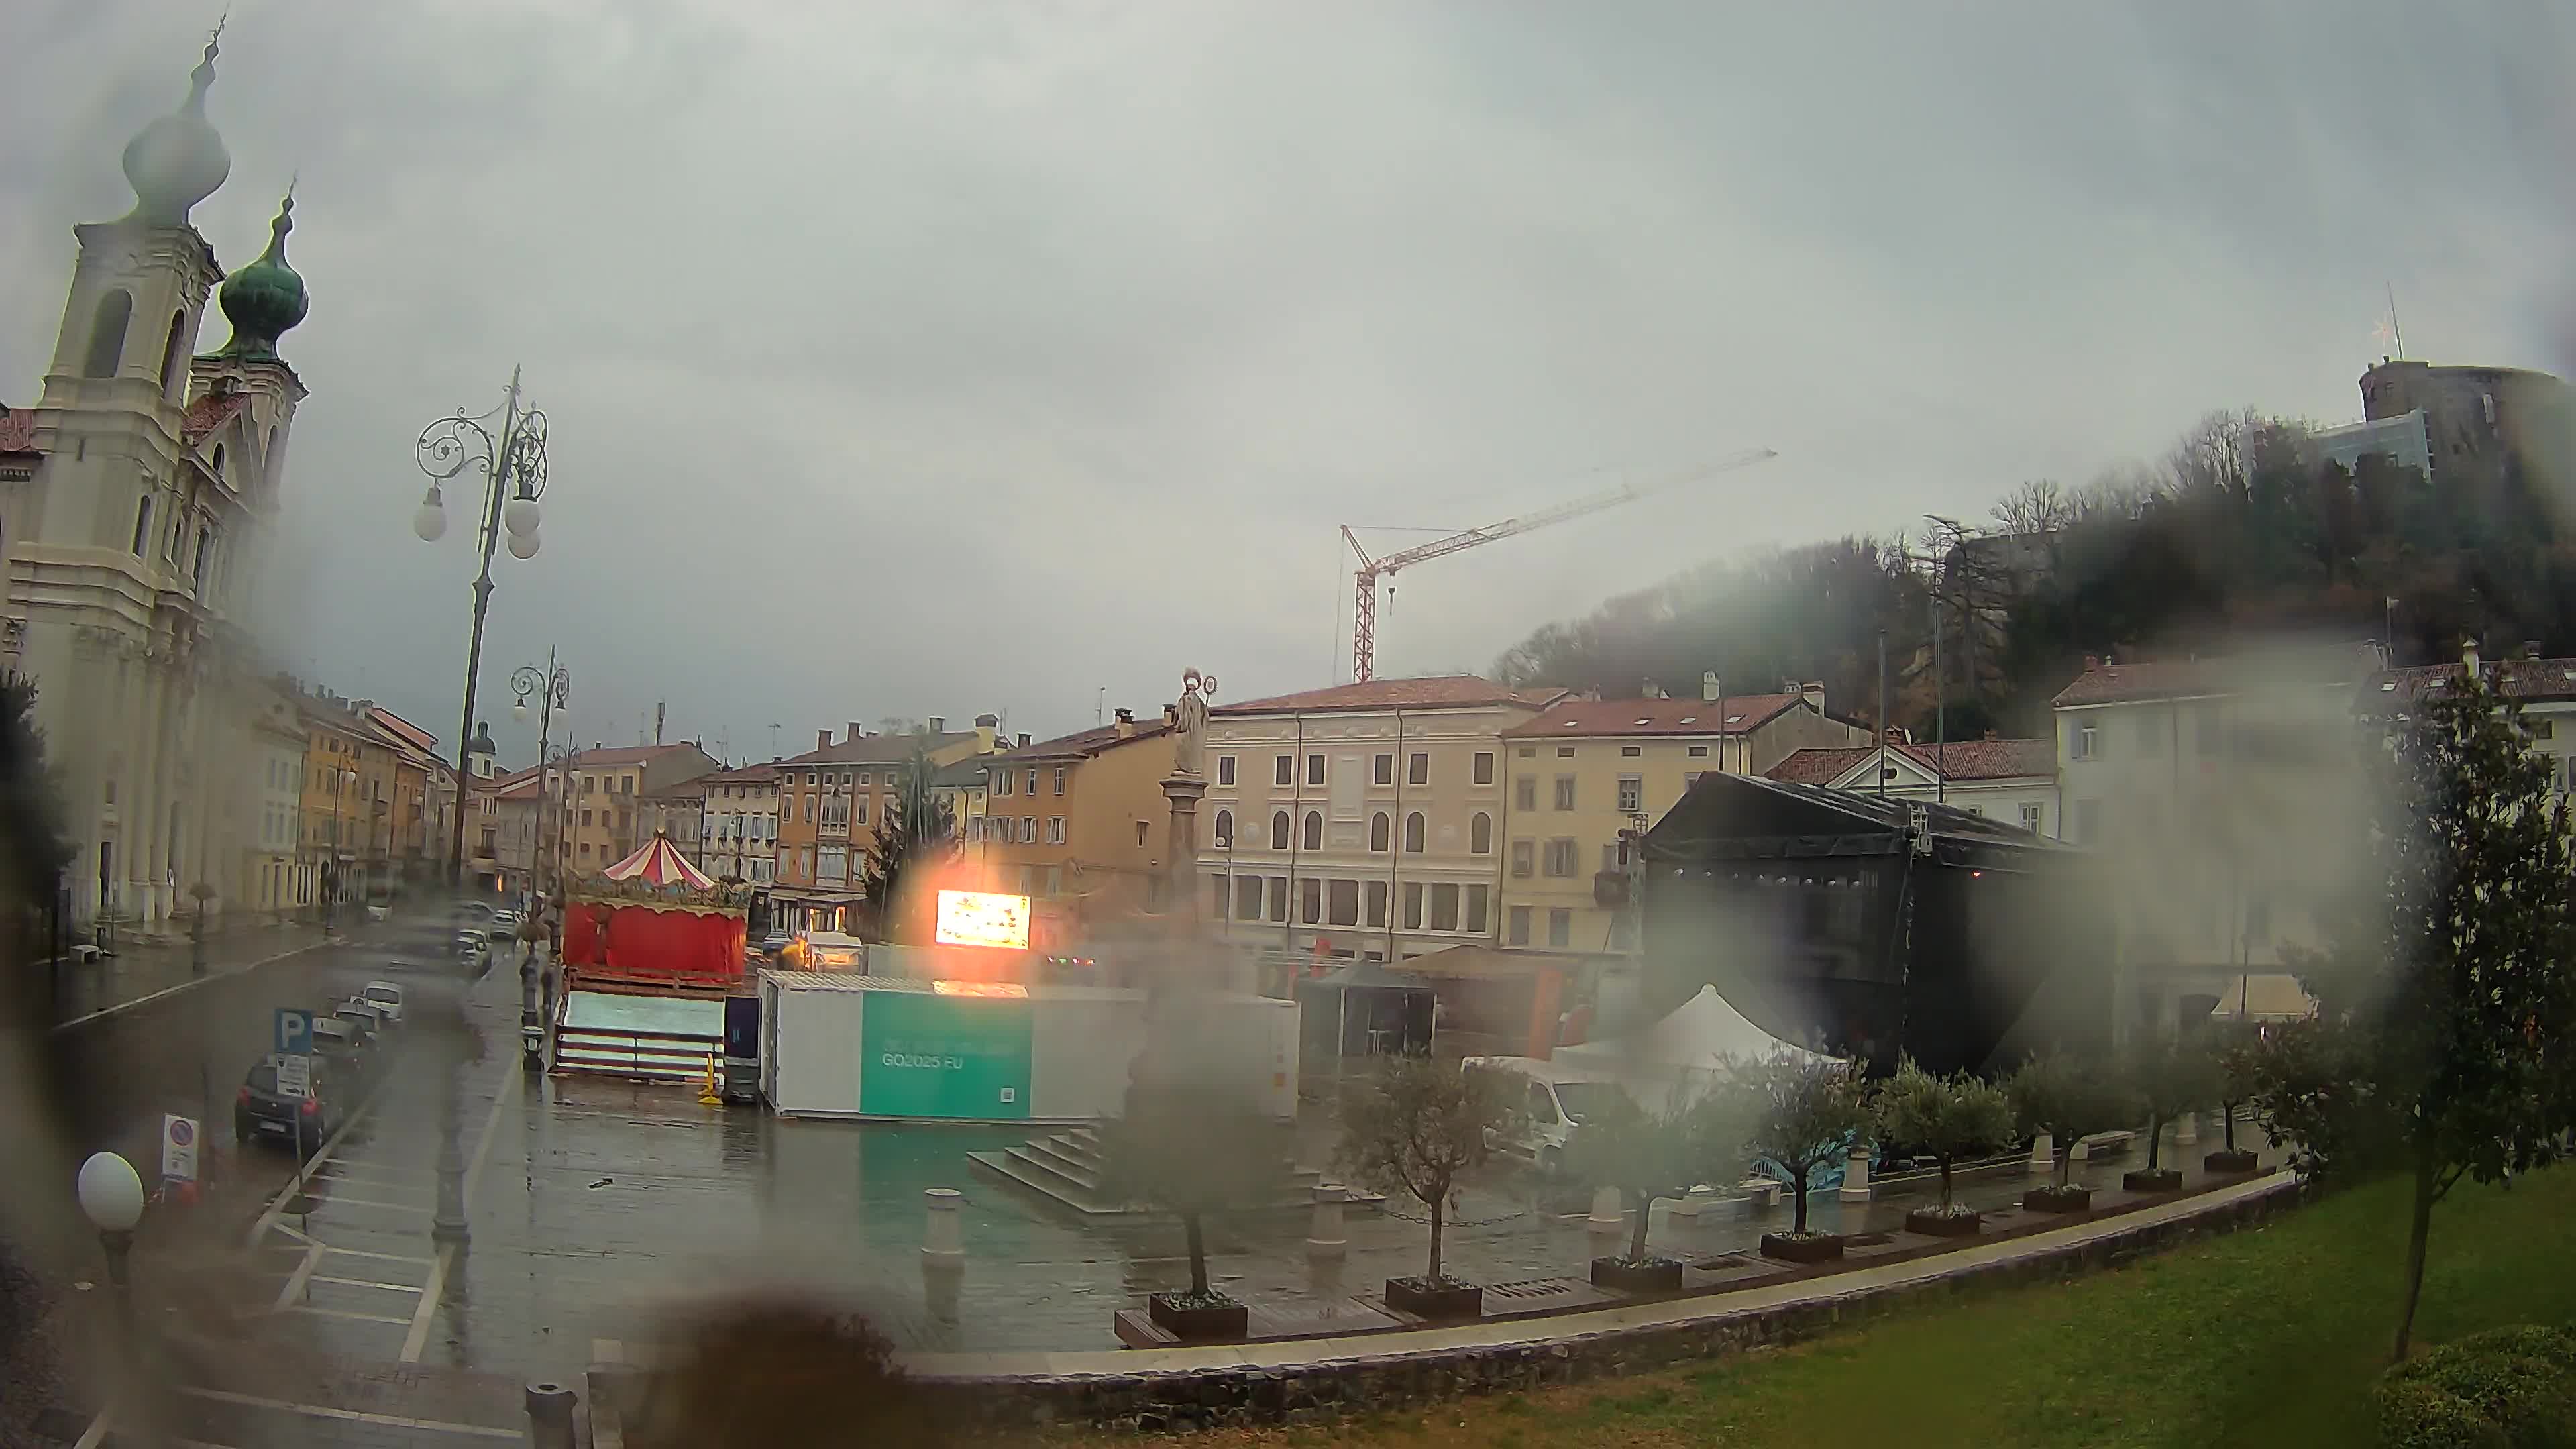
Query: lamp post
x,y
553,686
514,478
342,782
111,1197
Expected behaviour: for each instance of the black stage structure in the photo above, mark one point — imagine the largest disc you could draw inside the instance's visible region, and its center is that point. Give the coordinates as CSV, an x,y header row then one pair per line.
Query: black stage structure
x,y
1868,926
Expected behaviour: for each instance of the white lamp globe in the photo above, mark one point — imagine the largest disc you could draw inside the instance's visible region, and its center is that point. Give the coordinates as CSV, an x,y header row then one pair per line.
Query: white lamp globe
x,y
519,516
110,1194
430,522
523,545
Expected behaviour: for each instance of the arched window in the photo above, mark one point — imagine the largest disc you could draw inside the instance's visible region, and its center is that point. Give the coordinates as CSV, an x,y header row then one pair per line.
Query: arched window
x,y
142,524
206,541
1314,830
1378,831
107,334
171,353
1279,830
1413,833
1224,828
1480,834
218,468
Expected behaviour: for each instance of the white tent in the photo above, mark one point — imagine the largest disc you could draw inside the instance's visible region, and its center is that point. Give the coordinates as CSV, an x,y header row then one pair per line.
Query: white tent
x,y
1683,1049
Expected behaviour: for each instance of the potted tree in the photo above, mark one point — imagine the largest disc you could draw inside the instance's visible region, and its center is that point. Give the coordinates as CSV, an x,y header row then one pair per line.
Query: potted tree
x,y
2069,1101
1802,1114
2234,1048
1424,1124
1195,1149
1949,1118
2167,1078
1645,1155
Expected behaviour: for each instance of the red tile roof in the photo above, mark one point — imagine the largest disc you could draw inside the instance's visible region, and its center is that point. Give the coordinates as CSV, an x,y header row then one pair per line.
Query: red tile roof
x,y
763,774
593,759
1437,691
1958,760
1578,718
876,749
17,430
209,413
2302,665
1081,744
2524,679
2147,679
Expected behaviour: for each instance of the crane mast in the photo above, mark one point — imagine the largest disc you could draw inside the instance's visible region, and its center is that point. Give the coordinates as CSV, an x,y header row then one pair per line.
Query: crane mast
x,y
1364,603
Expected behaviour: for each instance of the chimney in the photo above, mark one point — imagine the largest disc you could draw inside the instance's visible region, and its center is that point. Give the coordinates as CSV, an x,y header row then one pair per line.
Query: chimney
x,y
822,739
986,725
1709,689
1896,735
2469,653
1126,725
1024,739
855,732
938,724
2092,662
2531,649
1650,690
1813,692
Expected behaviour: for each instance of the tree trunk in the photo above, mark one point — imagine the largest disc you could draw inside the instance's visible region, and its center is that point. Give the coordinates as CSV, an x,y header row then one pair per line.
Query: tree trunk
x,y
1798,1186
1945,1184
1198,1254
2227,1123
1439,1211
2155,1138
2065,1159
2419,1231
1637,1239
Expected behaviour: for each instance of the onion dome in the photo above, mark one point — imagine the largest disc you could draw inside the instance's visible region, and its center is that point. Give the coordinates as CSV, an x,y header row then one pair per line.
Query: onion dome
x,y
266,298
178,160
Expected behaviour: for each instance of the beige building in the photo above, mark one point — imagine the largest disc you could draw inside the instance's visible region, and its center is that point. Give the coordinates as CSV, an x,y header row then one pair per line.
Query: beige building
x,y
741,829
2013,782
1360,821
831,800
1079,824
1588,775
605,798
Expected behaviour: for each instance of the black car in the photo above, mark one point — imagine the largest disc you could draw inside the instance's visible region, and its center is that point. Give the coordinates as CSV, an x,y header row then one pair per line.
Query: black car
x,y
260,1110
363,1024
352,1058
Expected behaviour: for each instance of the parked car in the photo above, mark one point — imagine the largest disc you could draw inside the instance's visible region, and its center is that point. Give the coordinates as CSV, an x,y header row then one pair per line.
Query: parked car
x,y
387,997
260,1110
1553,1101
510,919
352,1059
371,1023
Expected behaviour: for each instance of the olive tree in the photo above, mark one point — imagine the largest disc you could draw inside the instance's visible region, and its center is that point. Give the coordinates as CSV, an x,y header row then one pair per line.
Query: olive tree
x,y
1422,1124
2070,1101
2166,1078
1801,1113
1644,1153
1948,1118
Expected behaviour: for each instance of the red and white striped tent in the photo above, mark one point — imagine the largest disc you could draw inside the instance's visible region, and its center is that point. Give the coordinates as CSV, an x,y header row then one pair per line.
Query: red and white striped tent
x,y
656,863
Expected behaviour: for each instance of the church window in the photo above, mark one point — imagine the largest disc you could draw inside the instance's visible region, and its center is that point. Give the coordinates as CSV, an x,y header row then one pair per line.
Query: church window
x,y
172,351
107,334
205,541
142,524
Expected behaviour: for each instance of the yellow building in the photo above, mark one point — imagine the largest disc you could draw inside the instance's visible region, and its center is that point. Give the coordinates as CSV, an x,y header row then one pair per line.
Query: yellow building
x,y
604,816
1079,825
832,799
1588,775
347,800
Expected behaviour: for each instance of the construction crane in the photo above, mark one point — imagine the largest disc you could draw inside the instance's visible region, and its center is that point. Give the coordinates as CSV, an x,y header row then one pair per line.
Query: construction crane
x,y
1364,611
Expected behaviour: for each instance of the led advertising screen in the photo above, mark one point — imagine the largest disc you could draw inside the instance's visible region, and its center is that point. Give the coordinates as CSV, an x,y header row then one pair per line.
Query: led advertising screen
x,y
981,918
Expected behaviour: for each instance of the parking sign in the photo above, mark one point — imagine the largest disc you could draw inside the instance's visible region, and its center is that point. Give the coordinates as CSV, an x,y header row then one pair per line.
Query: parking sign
x,y
179,1148
294,1033
294,1075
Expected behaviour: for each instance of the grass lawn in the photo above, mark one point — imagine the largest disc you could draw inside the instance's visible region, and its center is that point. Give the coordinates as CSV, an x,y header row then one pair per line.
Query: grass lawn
x,y
2264,1337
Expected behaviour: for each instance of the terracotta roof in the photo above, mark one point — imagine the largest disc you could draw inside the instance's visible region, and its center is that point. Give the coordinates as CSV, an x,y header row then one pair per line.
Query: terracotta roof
x,y
763,774
17,430
2313,664
209,413
402,729
1081,744
2148,679
2523,679
876,749
1958,760
1453,691
1579,718
593,759
508,787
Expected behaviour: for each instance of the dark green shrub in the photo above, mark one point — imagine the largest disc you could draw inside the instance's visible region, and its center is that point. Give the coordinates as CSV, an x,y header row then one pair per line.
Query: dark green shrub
x,y
2506,1388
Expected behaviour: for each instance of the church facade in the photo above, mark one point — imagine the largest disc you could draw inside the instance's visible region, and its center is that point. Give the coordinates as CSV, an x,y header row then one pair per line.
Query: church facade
x,y
135,498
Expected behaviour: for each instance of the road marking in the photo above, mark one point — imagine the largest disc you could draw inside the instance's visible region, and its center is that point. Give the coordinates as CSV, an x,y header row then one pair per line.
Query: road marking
x,y
303,1273
337,1199
323,1411
387,1257
370,1283
148,998
92,1436
344,1313
418,1338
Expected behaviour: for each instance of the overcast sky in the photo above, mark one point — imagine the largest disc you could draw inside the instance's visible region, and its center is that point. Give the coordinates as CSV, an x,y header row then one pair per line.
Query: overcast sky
x,y
938,358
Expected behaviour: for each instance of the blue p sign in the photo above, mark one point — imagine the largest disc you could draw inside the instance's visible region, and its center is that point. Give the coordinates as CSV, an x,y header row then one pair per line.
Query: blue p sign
x,y
294,1032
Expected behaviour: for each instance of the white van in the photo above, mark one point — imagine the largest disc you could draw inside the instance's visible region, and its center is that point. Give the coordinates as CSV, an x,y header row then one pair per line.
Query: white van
x,y
1553,1101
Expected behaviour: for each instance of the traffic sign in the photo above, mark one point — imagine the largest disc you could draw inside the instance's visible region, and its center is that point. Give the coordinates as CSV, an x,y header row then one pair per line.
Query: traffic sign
x,y
294,1035
179,1148
294,1074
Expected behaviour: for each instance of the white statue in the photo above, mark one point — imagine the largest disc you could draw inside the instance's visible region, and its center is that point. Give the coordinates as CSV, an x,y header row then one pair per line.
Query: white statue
x,y
1189,720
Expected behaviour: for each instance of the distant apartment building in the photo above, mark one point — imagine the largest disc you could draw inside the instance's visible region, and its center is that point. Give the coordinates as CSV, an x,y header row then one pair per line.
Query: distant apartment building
x,y
832,799
603,808
2013,782
1363,820
1587,776
742,824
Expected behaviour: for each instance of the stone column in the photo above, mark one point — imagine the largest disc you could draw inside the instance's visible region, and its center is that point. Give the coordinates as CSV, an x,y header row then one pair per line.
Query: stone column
x,y
2043,1156
1325,1238
1181,871
1856,1175
943,1252
1607,1223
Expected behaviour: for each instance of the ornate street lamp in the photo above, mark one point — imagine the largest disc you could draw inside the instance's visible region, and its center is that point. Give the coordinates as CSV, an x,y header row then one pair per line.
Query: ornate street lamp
x,y
553,686
514,478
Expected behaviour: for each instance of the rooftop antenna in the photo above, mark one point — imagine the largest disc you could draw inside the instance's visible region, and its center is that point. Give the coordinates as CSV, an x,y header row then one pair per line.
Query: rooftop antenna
x,y
2395,334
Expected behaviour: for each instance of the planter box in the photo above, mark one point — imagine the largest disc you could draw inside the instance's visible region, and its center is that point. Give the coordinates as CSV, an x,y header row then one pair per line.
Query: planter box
x,y
2223,1161
2057,1200
1934,1223
1655,1275
1195,1319
1815,1248
2162,1179
1447,1298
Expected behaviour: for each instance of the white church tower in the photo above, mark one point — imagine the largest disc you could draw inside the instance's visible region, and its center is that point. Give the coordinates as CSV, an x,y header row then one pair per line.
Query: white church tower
x,y
149,474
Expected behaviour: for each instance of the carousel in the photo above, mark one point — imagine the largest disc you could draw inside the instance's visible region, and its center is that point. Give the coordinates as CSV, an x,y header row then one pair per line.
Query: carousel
x,y
652,950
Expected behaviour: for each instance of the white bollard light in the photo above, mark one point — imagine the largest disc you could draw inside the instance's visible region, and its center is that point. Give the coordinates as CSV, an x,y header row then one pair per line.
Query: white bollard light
x,y
1607,1222
1856,1175
1324,1238
2043,1156
943,1237
2187,1129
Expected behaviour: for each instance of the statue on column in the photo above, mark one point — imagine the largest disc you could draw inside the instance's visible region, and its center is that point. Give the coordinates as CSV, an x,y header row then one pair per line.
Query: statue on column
x,y
1189,719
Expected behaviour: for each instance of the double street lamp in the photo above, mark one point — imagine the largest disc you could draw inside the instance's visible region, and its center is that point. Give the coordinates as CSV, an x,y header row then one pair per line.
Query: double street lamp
x,y
513,466
553,686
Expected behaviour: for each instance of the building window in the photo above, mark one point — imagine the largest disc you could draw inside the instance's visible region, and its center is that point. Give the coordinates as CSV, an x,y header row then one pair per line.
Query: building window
x,y
1278,830
1279,899
832,864
2083,742
1631,751
859,810
1565,752
585,820
1484,771
1314,830
1382,770
1699,752
1378,828
1059,779
1560,857
1002,784
1032,781
1520,925
1413,833
1565,792
1376,903
1218,898
142,523
1480,834
1632,795
1525,793
1224,829
1310,901
1343,908
1055,830
1444,906
1413,905
1523,853
1417,770
1028,830
1314,769
2032,814
1247,898
1475,922
1560,927
107,334
1225,769
1283,770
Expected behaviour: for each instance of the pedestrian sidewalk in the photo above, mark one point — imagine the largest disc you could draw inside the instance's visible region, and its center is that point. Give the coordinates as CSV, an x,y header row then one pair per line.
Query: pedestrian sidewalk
x,y
140,969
